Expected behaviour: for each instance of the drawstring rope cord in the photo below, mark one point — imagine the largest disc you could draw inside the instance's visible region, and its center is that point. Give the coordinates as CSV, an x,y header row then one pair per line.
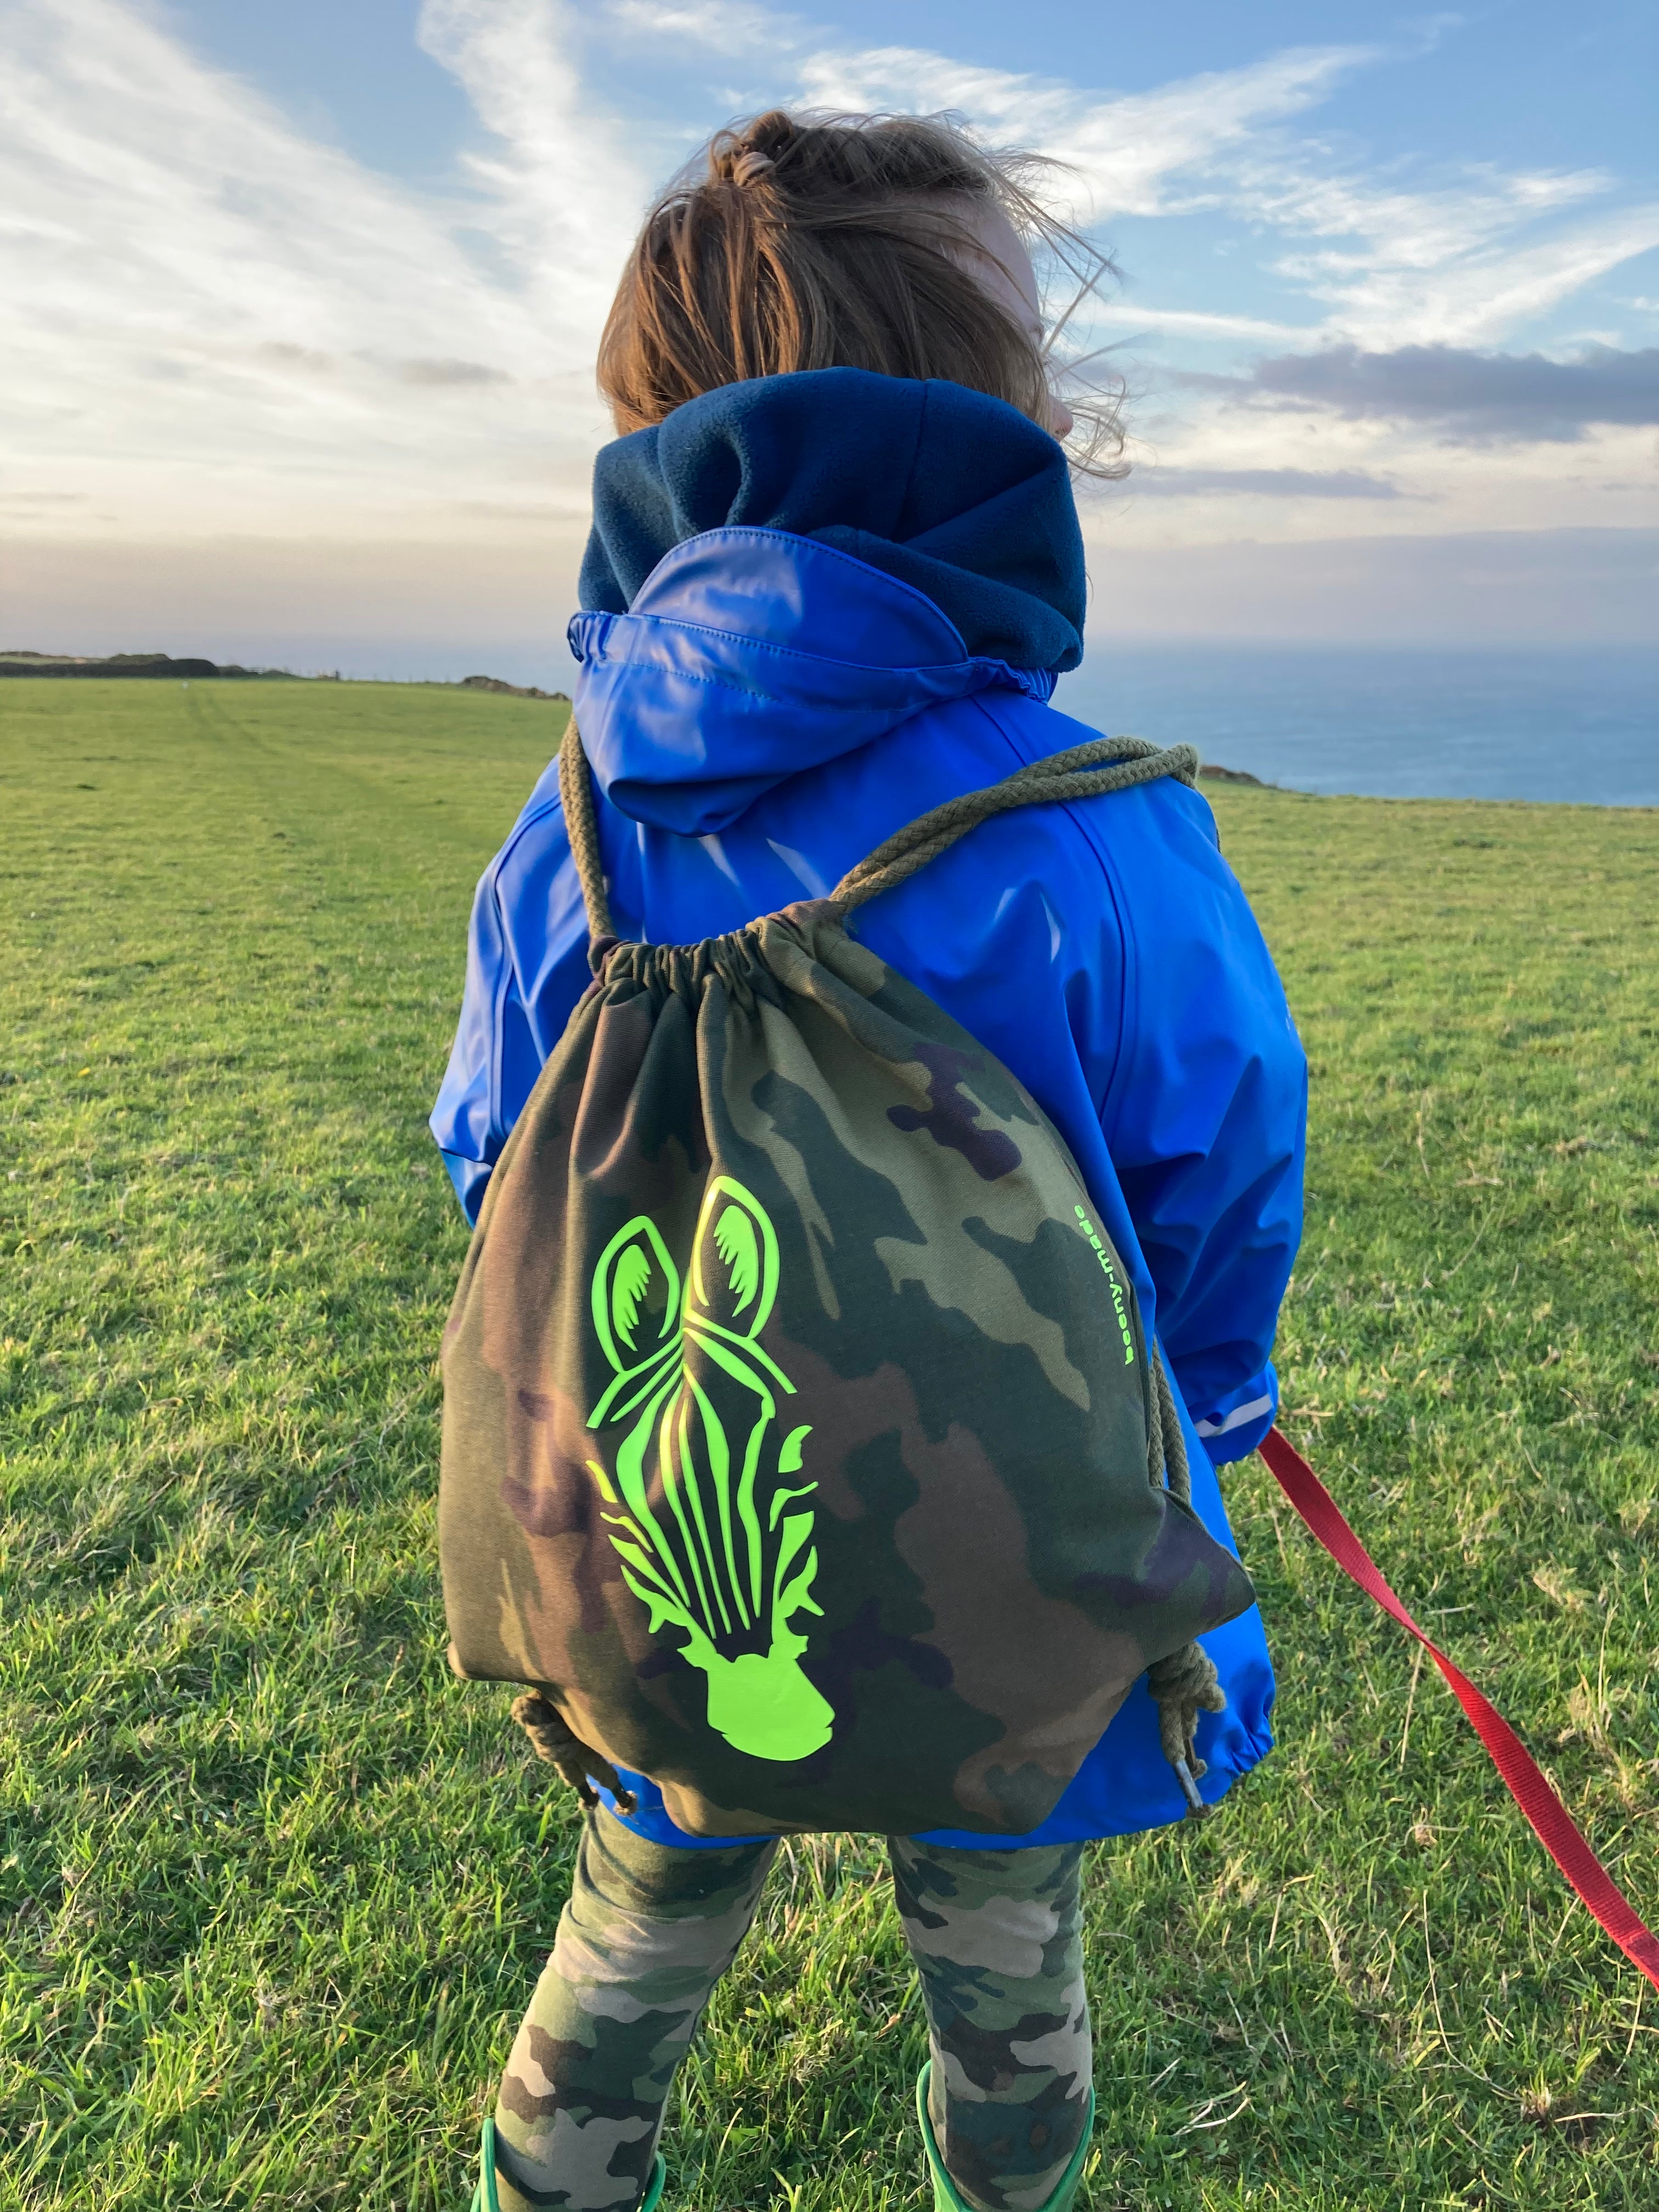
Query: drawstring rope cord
x,y
581,827
1104,764
1101,765
1186,1683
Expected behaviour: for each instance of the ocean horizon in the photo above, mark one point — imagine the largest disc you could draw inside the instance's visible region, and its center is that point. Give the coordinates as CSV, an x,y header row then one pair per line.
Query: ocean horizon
x,y
1573,724
1578,724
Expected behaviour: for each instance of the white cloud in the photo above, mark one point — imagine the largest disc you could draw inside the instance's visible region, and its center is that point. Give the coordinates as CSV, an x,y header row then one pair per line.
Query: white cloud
x,y
1459,263
1188,322
730,28
217,324
1125,148
1477,292
564,195
1468,261
216,321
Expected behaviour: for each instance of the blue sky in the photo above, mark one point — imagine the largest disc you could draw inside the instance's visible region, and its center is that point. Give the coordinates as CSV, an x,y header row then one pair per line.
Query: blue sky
x,y
1495,84
308,298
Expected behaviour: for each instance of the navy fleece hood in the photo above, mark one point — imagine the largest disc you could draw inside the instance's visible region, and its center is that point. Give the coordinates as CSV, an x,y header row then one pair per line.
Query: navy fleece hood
x,y
954,493
782,570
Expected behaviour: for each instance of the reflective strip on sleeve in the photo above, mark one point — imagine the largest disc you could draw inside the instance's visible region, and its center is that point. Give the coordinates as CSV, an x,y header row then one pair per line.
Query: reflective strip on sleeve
x,y
1237,1418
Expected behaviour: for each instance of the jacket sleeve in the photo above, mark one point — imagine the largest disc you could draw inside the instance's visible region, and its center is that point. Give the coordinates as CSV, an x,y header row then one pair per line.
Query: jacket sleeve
x,y
1206,1120
526,966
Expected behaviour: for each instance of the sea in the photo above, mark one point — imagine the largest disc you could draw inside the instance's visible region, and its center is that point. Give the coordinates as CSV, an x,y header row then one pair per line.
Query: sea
x,y
1574,725
1579,724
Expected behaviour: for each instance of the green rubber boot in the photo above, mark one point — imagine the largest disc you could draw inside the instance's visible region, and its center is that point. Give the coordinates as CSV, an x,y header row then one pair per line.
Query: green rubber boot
x,y
945,2198
487,2198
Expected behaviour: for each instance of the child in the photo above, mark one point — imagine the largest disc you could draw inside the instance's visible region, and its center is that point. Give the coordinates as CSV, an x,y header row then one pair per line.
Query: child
x,y
826,360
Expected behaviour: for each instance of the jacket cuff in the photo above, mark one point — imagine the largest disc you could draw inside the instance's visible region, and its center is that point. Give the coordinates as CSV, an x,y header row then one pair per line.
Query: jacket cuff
x,y
471,1179
1233,1428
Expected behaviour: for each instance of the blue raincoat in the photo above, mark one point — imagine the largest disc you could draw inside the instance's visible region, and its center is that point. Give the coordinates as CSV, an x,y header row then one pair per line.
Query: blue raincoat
x,y
817,605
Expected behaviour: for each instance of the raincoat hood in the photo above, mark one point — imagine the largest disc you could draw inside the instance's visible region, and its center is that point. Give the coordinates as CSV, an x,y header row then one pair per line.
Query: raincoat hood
x,y
783,570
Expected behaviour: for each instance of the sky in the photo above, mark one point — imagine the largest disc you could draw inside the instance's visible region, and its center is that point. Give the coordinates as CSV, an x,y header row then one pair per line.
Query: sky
x,y
302,304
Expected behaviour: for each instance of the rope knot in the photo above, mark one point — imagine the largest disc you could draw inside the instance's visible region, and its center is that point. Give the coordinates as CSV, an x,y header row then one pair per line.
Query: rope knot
x,y
1184,1685
551,1736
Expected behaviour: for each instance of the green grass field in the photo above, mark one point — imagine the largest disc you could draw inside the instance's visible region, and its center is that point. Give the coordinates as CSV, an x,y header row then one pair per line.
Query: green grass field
x,y
275,1889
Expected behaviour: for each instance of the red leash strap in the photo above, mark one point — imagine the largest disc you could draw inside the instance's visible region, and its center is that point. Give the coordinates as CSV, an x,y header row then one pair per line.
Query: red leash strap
x,y
1552,1823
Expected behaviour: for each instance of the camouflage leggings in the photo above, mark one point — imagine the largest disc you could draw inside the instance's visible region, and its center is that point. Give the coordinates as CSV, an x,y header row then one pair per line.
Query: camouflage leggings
x,y
997,1940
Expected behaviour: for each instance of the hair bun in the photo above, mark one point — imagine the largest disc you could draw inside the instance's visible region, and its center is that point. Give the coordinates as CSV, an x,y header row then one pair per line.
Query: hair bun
x,y
744,155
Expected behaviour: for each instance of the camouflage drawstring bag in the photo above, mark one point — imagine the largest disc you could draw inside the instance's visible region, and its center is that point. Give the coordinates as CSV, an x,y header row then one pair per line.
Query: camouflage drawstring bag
x,y
802,1449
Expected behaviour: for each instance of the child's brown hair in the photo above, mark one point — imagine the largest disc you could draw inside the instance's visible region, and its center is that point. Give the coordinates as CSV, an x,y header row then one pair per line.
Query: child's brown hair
x,y
838,242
